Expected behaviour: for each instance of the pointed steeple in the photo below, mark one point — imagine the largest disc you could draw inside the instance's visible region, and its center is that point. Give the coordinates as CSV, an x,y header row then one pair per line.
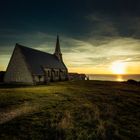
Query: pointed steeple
x,y
58,50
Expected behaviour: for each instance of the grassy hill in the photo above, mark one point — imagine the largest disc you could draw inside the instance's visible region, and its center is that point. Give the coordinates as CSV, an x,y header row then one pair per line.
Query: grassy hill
x,y
73,110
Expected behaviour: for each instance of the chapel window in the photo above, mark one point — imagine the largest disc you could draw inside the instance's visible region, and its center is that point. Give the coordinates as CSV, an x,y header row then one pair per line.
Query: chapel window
x,y
48,73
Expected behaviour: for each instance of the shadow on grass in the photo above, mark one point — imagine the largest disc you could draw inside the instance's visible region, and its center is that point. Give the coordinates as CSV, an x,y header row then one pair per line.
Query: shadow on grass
x,y
3,85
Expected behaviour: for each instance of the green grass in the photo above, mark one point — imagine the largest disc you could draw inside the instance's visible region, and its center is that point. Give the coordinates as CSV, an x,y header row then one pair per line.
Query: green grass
x,y
72,110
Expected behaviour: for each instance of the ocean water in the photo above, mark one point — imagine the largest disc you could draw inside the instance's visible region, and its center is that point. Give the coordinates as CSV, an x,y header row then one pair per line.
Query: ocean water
x,y
109,77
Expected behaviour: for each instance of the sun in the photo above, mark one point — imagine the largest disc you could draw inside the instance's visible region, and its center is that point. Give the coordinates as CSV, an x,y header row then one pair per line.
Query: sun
x,y
118,67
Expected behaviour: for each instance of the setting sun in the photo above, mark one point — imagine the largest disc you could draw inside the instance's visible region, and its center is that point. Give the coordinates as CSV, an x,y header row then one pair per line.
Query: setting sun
x,y
118,67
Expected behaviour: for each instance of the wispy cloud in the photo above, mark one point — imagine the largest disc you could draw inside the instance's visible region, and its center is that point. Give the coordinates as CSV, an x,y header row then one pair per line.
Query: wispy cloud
x,y
78,53
103,25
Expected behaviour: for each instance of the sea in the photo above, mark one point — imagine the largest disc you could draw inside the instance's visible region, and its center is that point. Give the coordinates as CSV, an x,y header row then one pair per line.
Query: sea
x,y
113,77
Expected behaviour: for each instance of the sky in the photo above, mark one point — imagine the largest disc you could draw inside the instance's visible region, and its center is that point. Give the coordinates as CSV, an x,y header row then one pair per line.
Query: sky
x,y
96,36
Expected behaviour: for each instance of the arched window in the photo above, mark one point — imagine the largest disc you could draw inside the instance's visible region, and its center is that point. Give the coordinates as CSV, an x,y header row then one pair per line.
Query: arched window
x,y
49,73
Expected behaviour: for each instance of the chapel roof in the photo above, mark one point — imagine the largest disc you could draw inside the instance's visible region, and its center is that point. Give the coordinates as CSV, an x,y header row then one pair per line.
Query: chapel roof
x,y
37,60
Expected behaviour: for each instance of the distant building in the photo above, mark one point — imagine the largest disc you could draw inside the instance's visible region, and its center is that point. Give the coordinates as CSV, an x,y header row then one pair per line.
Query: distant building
x,y
32,66
77,76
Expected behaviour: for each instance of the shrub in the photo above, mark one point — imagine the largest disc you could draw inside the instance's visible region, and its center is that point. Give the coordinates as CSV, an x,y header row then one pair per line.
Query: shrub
x,y
131,81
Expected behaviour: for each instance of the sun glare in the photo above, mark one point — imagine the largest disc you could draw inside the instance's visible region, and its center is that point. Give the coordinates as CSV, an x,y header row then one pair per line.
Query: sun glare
x,y
118,67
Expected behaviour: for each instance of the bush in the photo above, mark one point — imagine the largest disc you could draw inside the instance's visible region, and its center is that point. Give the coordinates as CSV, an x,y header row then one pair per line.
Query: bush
x,y
2,73
131,81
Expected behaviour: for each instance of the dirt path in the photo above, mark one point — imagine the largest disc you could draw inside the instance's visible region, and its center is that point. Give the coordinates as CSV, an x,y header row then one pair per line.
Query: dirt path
x,y
8,115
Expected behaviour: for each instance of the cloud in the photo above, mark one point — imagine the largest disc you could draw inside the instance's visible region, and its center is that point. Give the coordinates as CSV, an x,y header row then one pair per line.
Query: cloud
x,y
101,26
89,55
81,53
132,59
110,25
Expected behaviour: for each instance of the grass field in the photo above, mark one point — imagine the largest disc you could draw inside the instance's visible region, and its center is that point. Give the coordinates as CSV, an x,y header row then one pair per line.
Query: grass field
x,y
72,110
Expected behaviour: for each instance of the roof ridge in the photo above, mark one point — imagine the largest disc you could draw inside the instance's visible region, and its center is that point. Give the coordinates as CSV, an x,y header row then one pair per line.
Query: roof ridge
x,y
21,46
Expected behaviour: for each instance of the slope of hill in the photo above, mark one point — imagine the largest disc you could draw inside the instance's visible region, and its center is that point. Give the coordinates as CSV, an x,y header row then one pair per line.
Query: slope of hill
x,y
78,110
